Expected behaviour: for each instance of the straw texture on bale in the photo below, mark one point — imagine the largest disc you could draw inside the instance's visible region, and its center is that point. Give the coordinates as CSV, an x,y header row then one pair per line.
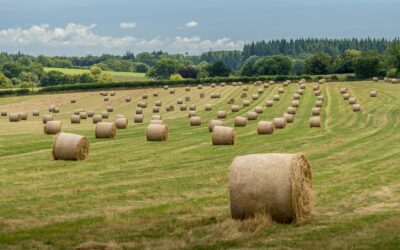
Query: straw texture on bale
x,y
52,127
155,117
121,123
195,121
138,118
352,100
70,147
56,110
73,101
23,115
235,108
157,132
158,103
295,103
373,93
96,119
104,114
221,114
343,90
276,98
214,123
318,104
243,95
288,117
75,119
112,93
269,103
246,103
240,121
35,113
278,185
106,99
258,109
356,107
316,111
139,111
296,96
155,94
251,116
145,96
317,92
321,98
172,91
279,123
47,117
14,117
208,107
291,110
223,136
315,122
105,130
265,128
187,99
202,95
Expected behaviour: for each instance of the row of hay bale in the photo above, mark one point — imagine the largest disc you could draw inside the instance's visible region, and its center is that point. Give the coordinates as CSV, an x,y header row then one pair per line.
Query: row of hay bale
x,y
351,99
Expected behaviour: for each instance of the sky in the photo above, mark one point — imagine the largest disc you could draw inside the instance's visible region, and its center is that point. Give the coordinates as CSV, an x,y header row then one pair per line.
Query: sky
x,y
81,27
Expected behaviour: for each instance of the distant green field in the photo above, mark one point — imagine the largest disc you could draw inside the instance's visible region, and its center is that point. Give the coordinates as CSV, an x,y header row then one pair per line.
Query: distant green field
x,y
117,76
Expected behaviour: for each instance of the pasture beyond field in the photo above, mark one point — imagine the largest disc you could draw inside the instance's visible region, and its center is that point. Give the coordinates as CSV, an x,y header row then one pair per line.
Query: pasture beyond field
x,y
117,76
167,195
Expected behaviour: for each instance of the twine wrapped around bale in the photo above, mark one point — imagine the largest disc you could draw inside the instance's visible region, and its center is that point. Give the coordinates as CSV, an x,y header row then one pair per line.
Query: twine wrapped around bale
x,y
138,118
47,117
288,117
157,132
104,114
70,147
276,98
246,103
269,103
277,185
75,119
52,127
14,117
221,114
23,115
291,110
316,111
356,107
265,128
223,135
315,122
352,100
235,108
373,93
240,121
279,123
121,123
36,113
251,116
105,130
214,123
195,121
96,119
295,103
259,109
208,107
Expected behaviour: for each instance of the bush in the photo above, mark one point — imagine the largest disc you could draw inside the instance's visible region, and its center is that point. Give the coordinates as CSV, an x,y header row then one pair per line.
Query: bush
x,y
392,73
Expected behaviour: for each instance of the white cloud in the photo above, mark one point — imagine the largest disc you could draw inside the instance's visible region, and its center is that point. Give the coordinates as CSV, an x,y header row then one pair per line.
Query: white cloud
x,y
79,39
124,25
191,24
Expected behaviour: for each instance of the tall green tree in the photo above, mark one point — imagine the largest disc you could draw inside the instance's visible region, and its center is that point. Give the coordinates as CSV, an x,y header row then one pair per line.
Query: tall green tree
x,y
273,65
164,68
218,69
317,64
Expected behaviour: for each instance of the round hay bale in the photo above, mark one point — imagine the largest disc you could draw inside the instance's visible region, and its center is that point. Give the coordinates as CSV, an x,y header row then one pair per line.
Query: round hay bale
x,y
215,95
52,127
300,91
138,118
165,87
343,90
352,100
279,123
278,185
254,97
112,93
288,117
106,99
240,121
47,117
14,117
170,108
70,147
3,113
191,113
187,88
142,104
51,108
291,110
75,119
259,109
78,111
346,96
202,95
246,103
172,91
213,85
295,103
260,91
156,117
373,93
271,82
321,98
187,98
266,85
235,108
245,88
221,114
214,123
157,132
110,109
231,101
179,101
243,95
128,99
192,107
121,123
281,90
83,115
156,122
139,111
251,116
35,113
317,92
104,114
183,107
316,111
23,115
155,94
375,79
208,107
119,116
315,87
105,130
158,103
322,81
199,86
276,98
318,104
394,81
296,96
265,128
90,113
356,107
223,135
302,86
269,103
156,109
96,119
222,84
145,96
73,101
195,121
315,122
56,110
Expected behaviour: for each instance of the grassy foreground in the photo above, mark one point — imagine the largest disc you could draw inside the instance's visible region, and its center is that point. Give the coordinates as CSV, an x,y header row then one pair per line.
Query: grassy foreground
x,y
135,194
117,76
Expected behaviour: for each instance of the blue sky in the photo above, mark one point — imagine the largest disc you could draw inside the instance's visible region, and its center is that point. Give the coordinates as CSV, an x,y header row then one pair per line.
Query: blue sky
x,y
60,27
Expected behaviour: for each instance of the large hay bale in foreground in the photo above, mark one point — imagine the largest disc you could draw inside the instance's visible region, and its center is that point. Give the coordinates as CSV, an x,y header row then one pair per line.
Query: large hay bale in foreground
x,y
105,130
315,122
47,117
121,123
157,132
278,185
223,135
373,93
138,118
240,121
265,128
52,127
221,114
214,123
14,117
70,147
279,123
96,119
195,121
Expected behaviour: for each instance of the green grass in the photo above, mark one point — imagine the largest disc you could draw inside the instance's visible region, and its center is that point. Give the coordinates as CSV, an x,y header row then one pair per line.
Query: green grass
x,y
173,195
117,76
